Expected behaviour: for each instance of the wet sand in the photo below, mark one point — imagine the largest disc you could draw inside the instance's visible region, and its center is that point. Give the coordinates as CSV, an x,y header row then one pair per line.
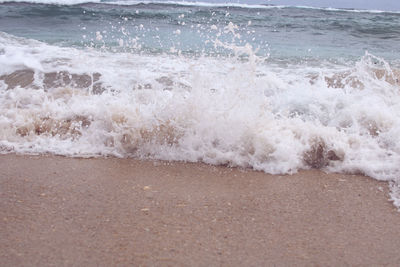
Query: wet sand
x,y
106,212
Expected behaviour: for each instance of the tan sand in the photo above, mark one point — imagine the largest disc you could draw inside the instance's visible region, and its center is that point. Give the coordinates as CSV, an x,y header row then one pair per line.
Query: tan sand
x,y
106,212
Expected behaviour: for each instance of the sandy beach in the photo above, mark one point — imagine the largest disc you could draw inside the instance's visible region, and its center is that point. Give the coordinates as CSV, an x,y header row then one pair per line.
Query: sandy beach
x,y
91,91
119,212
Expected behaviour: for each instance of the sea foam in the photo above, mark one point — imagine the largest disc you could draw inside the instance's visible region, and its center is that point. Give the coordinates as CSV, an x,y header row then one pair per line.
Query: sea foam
x,y
218,110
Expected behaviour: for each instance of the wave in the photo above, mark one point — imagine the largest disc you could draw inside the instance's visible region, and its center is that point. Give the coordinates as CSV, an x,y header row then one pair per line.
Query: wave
x,y
134,3
351,10
194,3
52,2
221,111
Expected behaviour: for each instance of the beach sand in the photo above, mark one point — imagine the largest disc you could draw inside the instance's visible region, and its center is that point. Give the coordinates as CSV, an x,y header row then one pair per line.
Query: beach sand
x,y
106,212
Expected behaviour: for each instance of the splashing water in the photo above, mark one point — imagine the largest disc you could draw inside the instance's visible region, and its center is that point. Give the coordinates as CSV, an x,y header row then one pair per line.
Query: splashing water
x,y
229,102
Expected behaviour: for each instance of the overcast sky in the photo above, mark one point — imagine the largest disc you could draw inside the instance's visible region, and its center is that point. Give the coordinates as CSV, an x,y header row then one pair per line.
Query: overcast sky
x,y
393,5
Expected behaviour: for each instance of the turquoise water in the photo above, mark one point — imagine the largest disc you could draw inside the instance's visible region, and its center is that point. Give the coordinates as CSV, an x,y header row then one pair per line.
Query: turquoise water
x,y
281,33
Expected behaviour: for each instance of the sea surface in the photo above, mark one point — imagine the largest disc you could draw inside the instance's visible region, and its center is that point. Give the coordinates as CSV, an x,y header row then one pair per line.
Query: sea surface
x,y
273,88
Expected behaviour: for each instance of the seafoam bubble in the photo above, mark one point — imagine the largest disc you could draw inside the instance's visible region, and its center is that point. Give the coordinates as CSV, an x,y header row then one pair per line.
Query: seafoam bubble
x,y
99,37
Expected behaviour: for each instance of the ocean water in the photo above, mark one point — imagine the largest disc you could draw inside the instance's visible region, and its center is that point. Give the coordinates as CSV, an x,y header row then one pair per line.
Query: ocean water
x,y
273,88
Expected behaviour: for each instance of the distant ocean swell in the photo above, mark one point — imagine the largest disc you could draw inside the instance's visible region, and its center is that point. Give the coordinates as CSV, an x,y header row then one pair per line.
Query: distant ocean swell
x,y
185,3
226,103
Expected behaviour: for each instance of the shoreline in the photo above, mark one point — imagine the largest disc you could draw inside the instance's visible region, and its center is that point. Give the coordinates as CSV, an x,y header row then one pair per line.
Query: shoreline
x,y
109,211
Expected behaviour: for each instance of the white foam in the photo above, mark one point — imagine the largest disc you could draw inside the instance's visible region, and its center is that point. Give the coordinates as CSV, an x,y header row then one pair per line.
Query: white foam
x,y
218,111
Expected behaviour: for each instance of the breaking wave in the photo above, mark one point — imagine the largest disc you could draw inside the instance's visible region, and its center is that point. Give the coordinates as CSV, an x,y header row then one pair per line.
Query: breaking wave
x,y
230,111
